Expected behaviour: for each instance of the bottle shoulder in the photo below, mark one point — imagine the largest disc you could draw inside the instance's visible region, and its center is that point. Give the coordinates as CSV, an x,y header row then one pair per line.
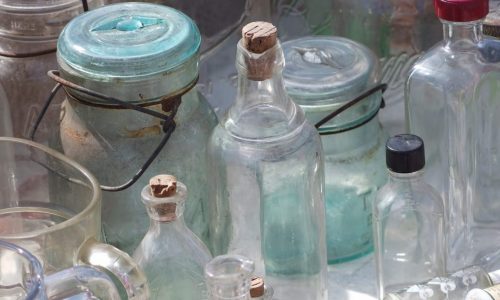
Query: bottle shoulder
x,y
158,246
223,142
447,68
415,195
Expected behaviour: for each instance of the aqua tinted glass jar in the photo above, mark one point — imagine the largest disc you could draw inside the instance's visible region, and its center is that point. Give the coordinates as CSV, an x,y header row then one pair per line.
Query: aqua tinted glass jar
x,y
322,74
147,55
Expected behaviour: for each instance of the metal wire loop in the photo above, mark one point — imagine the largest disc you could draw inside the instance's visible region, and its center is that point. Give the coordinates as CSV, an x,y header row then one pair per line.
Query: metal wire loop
x,y
364,95
168,126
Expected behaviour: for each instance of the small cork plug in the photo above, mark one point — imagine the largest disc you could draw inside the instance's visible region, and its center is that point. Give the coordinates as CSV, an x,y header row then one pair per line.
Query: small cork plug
x,y
491,25
163,186
257,287
258,37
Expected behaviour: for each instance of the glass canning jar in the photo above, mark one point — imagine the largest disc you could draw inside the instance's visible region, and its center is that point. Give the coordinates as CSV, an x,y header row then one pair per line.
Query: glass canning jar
x,y
28,36
322,74
144,54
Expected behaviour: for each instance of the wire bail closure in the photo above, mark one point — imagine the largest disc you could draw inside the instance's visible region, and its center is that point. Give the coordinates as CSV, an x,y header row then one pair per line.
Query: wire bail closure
x,y
168,125
364,95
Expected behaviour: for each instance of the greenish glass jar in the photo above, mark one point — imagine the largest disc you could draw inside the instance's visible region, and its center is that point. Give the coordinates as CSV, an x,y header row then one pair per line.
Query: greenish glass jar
x,y
321,75
143,54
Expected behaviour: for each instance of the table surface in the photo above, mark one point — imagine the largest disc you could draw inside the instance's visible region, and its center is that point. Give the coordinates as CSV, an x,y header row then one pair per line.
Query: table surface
x,y
353,280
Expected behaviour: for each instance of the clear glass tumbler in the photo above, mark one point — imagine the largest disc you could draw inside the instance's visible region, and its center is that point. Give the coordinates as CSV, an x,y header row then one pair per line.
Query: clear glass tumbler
x,y
51,206
22,278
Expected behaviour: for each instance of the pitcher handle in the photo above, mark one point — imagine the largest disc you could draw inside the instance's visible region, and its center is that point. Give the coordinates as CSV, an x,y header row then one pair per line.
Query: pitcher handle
x,y
118,263
80,280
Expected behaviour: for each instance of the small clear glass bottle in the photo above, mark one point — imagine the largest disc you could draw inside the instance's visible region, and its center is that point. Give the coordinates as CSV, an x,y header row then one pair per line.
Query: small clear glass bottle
x,y
321,75
452,103
455,286
266,176
170,254
228,277
408,219
259,290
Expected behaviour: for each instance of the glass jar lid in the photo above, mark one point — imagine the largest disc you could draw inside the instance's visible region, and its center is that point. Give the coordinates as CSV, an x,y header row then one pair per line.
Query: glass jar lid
x,y
131,51
30,26
323,73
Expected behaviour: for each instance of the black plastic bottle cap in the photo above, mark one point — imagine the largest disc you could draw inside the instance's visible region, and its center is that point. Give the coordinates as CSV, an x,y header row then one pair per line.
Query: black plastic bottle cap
x,y
404,153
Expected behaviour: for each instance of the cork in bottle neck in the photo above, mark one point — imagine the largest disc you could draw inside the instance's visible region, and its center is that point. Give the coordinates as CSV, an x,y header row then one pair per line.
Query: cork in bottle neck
x,y
164,198
259,39
257,287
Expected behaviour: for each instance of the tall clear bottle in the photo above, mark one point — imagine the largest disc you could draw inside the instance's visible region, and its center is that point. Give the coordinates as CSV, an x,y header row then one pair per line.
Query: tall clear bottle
x,y
452,103
408,220
267,178
170,254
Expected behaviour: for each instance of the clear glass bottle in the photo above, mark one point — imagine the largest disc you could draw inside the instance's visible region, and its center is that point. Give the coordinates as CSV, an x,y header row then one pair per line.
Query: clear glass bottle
x,y
259,290
147,55
408,220
170,254
455,286
322,74
266,176
228,277
451,102
28,36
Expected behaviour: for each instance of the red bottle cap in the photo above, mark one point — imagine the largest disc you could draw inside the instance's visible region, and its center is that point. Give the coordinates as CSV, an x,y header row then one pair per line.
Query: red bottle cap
x,y
461,10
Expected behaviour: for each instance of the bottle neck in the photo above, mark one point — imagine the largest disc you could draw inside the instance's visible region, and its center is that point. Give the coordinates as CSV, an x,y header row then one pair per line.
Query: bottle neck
x,y
262,108
404,178
462,36
228,277
166,213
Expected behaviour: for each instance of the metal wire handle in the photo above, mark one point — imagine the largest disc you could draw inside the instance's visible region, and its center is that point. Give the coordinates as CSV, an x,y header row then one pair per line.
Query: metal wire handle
x,y
168,123
364,95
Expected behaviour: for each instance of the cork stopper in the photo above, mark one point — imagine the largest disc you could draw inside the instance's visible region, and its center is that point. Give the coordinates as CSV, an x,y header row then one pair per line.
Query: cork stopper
x,y
491,25
257,38
257,287
163,186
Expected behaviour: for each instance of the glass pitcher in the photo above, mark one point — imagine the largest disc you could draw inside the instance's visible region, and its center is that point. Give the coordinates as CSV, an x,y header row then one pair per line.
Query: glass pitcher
x,y
321,75
28,35
22,278
51,206
143,54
